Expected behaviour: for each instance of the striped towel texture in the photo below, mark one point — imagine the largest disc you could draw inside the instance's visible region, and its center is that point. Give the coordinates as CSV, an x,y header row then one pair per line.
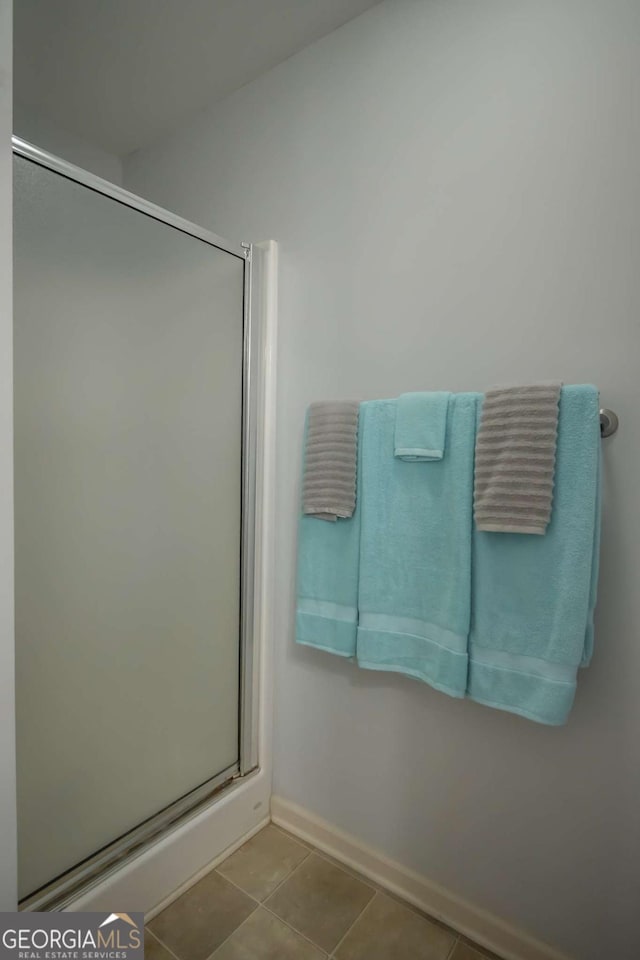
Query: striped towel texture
x,y
331,449
515,458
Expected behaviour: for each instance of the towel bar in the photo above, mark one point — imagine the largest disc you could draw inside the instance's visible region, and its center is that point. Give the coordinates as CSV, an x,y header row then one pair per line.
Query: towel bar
x,y
608,422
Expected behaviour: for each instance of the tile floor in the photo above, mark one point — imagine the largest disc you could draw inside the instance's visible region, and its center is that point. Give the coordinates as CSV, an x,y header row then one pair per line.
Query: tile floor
x,y
277,898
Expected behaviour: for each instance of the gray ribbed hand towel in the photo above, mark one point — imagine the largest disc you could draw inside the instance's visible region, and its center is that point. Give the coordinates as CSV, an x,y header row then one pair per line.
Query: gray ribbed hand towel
x,y
329,480
515,458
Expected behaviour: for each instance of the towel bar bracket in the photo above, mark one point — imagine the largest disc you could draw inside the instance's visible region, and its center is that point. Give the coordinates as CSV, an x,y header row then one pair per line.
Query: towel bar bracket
x,y
608,422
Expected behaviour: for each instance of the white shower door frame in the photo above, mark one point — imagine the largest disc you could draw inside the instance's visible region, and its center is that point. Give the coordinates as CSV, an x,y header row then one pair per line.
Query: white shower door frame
x,y
151,860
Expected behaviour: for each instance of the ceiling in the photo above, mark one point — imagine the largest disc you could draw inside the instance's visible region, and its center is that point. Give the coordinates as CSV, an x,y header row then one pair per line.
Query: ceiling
x,y
121,73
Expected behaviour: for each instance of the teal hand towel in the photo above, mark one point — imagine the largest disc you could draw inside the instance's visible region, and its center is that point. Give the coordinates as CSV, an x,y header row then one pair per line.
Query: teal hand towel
x,y
534,597
421,426
327,582
415,550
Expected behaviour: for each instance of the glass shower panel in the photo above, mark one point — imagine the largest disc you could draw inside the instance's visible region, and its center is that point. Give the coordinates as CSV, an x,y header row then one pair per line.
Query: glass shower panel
x,y
128,423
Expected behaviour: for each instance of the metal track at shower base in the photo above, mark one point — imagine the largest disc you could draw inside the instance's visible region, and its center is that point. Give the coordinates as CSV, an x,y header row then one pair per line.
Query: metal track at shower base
x,y
68,886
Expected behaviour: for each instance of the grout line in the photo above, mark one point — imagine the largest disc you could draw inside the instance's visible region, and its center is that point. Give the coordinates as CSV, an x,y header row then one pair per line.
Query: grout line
x,y
258,904
453,945
234,884
263,904
295,930
274,891
348,870
240,925
377,890
313,850
288,876
161,942
304,846
351,926
381,889
328,858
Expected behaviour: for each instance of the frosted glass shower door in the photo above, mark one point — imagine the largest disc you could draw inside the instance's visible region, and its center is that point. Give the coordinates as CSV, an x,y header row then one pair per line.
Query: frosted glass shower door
x,y
128,450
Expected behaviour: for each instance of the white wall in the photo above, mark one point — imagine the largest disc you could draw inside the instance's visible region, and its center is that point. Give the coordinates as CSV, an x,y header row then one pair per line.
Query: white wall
x,y
8,894
454,186
35,127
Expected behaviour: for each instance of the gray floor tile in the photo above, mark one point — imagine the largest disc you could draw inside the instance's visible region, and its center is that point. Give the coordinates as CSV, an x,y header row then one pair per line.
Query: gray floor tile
x,y
154,950
320,900
351,870
195,924
264,937
389,929
263,862
378,887
414,909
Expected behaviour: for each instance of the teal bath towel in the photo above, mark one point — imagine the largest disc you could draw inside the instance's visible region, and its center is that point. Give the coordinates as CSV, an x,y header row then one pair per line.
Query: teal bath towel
x,y
327,583
421,426
534,597
415,550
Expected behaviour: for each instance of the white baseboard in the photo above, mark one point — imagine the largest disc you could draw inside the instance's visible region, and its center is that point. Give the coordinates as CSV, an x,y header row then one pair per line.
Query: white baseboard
x,y
471,921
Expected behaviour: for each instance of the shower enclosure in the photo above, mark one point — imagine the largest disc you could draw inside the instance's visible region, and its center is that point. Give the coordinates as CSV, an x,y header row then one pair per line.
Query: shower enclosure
x,y
135,452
